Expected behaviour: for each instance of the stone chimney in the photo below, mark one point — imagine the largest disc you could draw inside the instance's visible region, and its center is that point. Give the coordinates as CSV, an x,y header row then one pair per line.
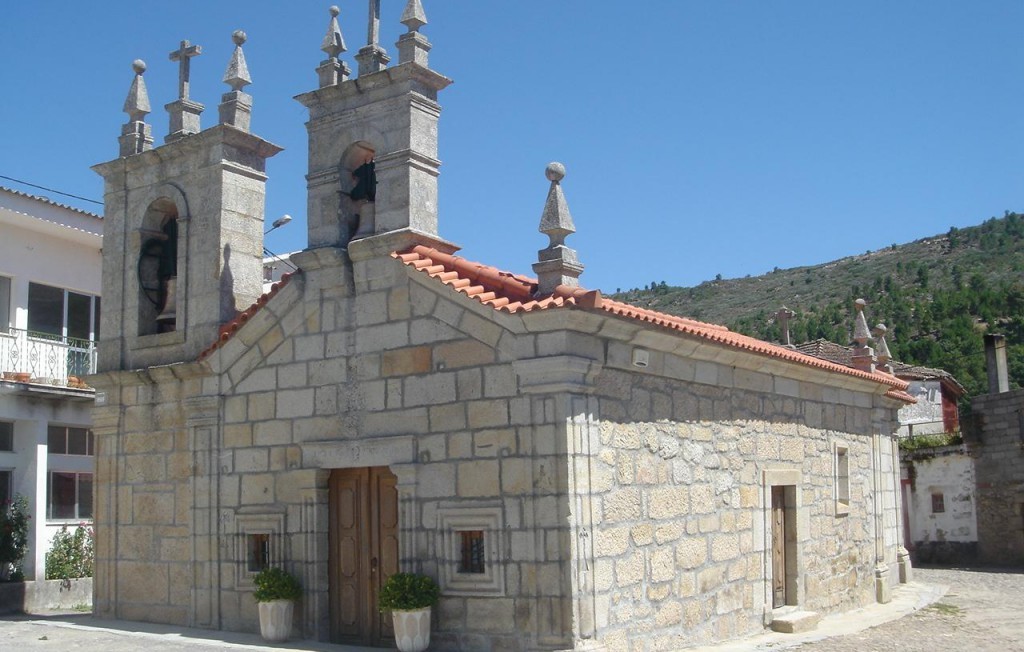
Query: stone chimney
x,y
995,362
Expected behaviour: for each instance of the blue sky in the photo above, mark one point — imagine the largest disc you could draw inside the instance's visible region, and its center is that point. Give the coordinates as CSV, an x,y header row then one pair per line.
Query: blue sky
x,y
700,138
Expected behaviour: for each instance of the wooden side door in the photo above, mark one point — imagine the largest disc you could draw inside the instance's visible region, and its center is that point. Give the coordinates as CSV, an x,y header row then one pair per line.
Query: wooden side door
x,y
778,547
363,546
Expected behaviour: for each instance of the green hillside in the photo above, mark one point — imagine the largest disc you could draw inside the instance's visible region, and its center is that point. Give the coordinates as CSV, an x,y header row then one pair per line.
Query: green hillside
x,y
938,296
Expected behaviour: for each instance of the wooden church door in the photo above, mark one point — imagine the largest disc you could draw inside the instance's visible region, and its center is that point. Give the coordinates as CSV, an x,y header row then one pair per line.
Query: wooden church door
x,y
363,506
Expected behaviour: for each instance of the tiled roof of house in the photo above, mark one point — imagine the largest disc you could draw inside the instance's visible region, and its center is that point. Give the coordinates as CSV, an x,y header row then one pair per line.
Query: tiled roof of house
x,y
228,330
822,348
47,200
513,293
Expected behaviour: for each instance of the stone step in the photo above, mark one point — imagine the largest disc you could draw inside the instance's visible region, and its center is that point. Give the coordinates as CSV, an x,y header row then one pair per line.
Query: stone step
x,y
794,621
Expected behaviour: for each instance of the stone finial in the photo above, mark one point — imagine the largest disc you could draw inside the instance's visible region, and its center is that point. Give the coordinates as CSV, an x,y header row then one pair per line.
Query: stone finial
x,y
861,334
413,47
237,74
136,135
332,71
557,264
414,17
783,316
184,113
372,57
136,105
236,105
333,43
862,356
882,347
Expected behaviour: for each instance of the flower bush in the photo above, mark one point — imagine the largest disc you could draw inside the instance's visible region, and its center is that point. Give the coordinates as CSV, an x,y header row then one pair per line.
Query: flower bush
x,y
71,554
14,518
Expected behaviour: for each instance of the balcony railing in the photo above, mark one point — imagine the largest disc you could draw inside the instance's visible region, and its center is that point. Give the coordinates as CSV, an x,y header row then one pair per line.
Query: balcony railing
x,y
45,359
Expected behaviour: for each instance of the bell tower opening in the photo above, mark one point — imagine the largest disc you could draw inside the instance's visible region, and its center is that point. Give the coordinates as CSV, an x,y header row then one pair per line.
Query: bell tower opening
x,y
158,269
358,188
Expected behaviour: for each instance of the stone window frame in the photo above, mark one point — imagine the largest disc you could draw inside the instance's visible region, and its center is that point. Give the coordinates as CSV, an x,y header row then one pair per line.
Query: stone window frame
x,y
451,522
271,524
841,476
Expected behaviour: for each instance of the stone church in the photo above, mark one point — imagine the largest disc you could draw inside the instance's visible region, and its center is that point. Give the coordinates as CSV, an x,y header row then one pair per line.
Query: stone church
x,y
574,471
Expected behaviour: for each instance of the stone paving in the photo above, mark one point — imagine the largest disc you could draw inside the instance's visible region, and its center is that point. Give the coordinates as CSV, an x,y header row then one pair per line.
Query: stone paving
x,y
980,612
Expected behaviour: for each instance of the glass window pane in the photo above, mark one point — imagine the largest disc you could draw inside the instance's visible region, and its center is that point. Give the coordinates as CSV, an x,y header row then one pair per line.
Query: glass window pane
x,y
92,443
5,303
62,495
85,495
79,316
56,439
96,326
6,436
5,486
78,441
45,309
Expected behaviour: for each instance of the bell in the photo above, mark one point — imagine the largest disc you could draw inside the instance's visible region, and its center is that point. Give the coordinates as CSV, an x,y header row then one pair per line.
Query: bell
x,y
169,314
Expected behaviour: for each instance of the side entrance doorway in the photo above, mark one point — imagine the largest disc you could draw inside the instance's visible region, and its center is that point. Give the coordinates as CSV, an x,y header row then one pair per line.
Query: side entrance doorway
x,y
783,551
363,552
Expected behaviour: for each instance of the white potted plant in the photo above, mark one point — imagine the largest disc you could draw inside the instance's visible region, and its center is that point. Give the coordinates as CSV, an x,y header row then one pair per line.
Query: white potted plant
x,y
276,593
409,597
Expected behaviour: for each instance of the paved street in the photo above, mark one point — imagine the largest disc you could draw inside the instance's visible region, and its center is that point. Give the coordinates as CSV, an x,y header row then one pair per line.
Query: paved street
x,y
980,612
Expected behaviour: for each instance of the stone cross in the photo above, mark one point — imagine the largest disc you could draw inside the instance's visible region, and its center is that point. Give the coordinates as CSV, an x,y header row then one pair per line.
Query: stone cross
x,y
784,315
373,29
372,57
182,55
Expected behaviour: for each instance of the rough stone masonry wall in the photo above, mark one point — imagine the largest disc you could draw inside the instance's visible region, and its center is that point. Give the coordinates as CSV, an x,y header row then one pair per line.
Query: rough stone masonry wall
x,y
999,467
681,542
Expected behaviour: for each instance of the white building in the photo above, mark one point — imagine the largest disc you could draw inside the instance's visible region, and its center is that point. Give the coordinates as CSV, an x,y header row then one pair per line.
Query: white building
x,y
50,263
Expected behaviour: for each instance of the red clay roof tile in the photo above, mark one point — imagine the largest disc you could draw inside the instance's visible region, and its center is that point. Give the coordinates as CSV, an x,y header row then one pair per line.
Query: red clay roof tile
x,y
511,293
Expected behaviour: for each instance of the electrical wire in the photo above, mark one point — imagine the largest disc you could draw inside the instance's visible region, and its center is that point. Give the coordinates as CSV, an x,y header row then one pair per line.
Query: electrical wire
x,y
66,194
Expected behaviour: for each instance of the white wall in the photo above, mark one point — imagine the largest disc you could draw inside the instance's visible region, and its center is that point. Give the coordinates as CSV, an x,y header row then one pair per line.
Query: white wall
x,y
951,473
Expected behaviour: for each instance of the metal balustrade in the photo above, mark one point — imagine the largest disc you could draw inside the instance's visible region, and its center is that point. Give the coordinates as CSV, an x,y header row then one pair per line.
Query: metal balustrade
x,y
45,359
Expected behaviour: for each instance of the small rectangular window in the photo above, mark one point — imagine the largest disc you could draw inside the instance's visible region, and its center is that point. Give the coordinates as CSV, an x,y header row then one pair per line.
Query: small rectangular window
x,y
472,551
78,441
6,436
938,503
259,551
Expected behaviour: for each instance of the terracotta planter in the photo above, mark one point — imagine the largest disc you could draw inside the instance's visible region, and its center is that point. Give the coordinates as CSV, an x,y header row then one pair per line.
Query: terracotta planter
x,y
412,629
276,620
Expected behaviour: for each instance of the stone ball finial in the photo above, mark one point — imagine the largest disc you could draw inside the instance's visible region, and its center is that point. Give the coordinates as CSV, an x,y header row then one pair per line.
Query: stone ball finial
x,y
139,66
555,171
335,10
238,36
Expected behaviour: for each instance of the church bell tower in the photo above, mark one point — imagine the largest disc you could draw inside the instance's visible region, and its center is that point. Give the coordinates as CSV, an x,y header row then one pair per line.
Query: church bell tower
x,y
373,163
183,222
